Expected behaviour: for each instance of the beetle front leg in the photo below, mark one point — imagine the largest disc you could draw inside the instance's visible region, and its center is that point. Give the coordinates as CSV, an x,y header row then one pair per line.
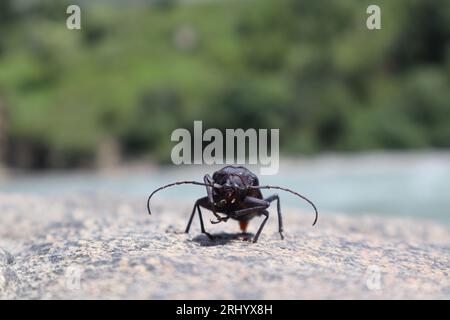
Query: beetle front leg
x,y
280,220
254,204
208,180
197,207
262,205
266,214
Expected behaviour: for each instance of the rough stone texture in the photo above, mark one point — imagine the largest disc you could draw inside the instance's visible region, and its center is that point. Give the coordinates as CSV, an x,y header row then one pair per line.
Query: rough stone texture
x,y
108,247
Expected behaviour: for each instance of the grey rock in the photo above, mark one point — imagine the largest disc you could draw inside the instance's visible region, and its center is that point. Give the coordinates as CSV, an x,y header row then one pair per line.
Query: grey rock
x,y
106,246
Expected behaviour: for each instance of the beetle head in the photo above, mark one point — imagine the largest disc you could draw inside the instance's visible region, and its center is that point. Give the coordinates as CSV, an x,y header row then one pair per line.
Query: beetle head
x,y
229,192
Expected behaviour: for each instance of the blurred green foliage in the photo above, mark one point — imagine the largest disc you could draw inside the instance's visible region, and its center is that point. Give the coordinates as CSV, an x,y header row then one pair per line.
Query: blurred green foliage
x,y
137,71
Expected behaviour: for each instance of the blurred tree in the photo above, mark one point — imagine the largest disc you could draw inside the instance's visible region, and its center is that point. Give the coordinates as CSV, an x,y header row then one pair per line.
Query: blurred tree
x,y
6,12
137,72
425,35
4,135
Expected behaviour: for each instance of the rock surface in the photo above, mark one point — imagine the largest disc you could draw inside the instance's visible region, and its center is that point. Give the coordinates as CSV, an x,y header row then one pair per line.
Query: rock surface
x,y
106,246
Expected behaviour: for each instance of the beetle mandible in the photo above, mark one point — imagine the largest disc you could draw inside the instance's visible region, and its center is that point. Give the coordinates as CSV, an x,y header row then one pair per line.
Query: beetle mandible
x,y
235,192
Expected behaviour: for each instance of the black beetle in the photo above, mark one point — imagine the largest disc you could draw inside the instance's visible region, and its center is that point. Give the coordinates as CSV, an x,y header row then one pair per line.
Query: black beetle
x,y
235,192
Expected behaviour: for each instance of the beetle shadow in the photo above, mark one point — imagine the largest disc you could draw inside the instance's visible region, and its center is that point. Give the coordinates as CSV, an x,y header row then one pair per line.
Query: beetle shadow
x,y
220,239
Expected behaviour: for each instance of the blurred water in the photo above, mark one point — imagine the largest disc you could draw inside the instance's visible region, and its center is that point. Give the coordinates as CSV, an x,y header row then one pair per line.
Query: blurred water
x,y
404,184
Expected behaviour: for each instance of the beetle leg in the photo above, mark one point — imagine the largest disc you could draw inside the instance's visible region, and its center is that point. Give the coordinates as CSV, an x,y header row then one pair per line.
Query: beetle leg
x,y
280,220
208,180
262,204
197,207
202,226
255,204
265,213
220,219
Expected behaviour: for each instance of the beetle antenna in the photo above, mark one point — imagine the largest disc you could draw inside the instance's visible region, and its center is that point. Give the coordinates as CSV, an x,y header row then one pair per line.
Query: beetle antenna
x,y
293,192
171,185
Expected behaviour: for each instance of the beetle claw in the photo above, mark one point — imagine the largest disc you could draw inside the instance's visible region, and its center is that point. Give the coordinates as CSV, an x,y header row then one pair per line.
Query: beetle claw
x,y
210,236
219,220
